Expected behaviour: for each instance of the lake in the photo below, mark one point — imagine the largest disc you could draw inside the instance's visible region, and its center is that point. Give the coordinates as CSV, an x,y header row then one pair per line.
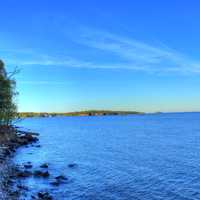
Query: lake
x,y
136,157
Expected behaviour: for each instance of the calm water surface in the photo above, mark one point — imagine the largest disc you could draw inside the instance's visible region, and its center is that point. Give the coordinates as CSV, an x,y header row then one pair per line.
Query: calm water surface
x,y
147,157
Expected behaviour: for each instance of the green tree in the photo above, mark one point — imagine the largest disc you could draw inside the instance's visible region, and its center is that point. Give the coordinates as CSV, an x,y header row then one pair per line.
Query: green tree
x,y
8,108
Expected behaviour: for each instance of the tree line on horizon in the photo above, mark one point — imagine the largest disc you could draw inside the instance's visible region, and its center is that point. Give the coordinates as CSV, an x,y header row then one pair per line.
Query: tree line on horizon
x,y
78,113
8,107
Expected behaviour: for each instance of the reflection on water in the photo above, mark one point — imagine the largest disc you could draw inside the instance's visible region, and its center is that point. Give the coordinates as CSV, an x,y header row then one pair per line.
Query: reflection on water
x,y
118,157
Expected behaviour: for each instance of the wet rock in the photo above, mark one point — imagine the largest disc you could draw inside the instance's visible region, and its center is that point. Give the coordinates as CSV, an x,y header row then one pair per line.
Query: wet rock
x,y
45,165
44,196
25,139
61,177
28,166
7,152
22,187
23,174
11,139
28,138
12,176
12,147
59,180
33,197
9,182
43,174
24,133
55,183
72,165
15,193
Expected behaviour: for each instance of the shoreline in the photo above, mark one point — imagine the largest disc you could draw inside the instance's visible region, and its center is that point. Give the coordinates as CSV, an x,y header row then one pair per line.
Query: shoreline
x,y
11,139
88,113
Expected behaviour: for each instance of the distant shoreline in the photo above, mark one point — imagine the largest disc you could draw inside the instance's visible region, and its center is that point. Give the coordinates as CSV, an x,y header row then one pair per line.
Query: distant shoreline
x,y
79,113
93,113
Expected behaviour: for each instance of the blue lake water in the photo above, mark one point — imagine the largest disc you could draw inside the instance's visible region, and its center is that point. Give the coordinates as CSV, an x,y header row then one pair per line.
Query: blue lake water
x,y
147,157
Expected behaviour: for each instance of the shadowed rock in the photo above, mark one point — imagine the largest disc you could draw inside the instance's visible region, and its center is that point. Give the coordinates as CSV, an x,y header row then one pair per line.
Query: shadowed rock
x,y
23,174
55,183
22,187
72,165
28,166
44,196
45,165
59,180
61,177
39,173
27,139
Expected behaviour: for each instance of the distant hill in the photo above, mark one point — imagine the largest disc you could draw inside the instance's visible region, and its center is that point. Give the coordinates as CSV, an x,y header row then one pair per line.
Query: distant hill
x,y
79,113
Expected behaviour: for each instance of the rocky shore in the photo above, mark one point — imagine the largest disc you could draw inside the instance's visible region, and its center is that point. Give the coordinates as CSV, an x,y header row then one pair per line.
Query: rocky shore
x,y
10,139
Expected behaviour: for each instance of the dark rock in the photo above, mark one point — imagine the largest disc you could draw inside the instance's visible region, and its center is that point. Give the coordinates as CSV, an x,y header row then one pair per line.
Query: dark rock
x,y
59,180
28,166
24,133
7,152
29,138
12,176
15,193
61,177
33,197
25,139
10,182
11,139
55,183
45,165
23,174
73,165
44,196
22,187
39,173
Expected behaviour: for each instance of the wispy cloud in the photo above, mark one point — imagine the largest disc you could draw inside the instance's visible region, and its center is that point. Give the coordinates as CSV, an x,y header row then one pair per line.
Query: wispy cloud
x,y
43,82
132,54
30,57
138,55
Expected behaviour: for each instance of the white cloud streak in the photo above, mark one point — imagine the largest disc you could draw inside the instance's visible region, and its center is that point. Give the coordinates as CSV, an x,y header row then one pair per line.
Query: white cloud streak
x,y
138,55
133,55
43,83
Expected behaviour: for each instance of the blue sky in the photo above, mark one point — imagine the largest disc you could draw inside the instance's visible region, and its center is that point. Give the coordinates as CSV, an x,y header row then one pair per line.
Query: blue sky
x,y
121,55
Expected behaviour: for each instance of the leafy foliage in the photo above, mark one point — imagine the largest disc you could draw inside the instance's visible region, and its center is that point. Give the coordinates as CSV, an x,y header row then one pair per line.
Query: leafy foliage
x,y
8,108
